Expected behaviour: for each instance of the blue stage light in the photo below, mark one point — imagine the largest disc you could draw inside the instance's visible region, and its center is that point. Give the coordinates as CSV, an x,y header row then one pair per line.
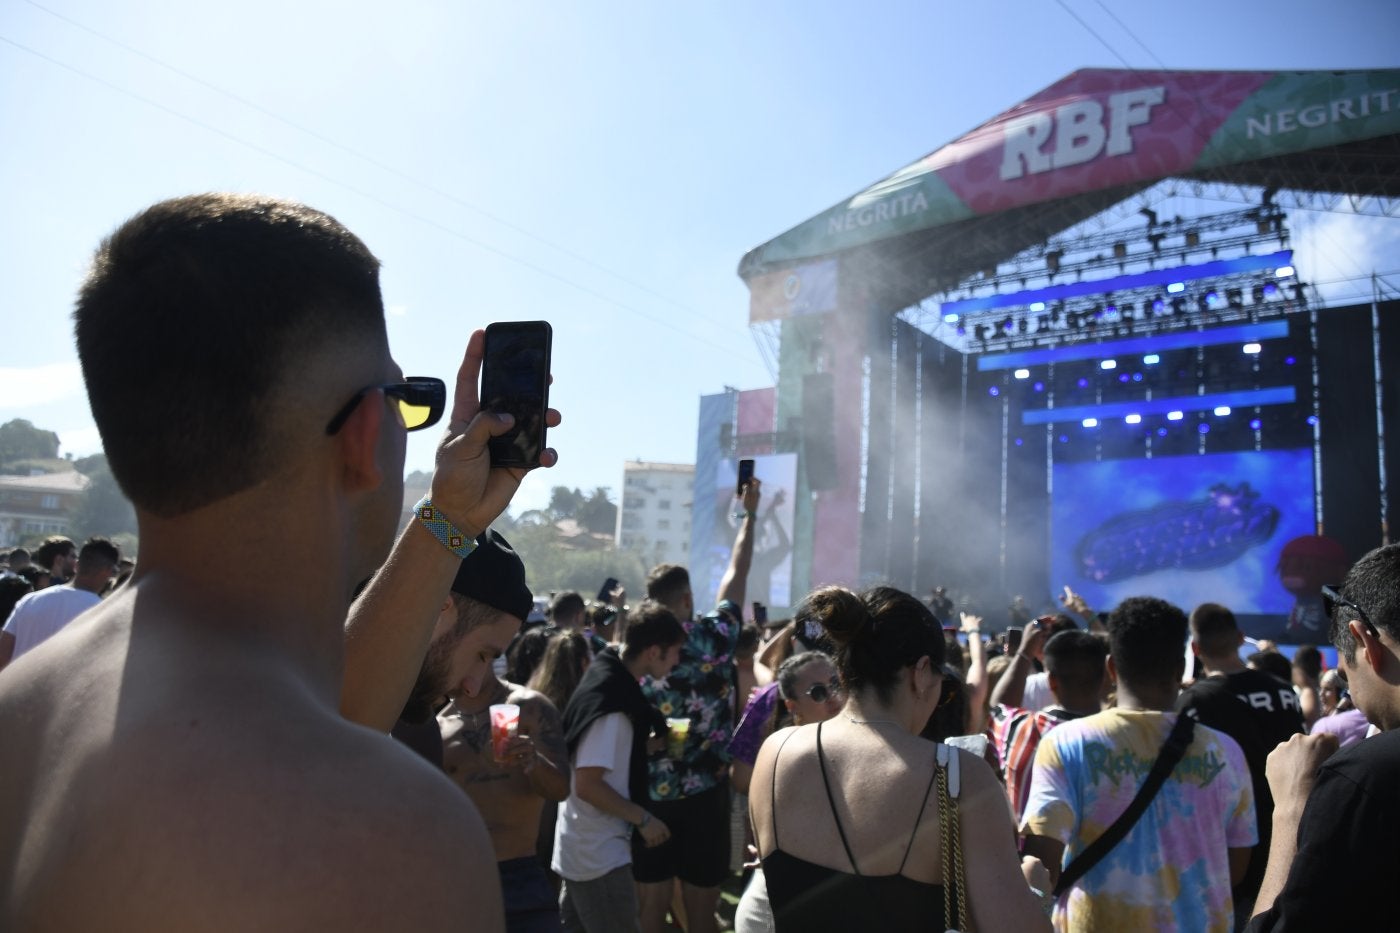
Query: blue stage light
x,y
1133,419
1090,422
1083,383
1256,424
993,391
1137,377
1039,387
1151,359
1203,428
1108,364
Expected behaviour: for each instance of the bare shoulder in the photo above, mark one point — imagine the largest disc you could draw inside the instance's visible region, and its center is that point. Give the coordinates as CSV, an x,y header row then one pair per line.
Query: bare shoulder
x,y
531,702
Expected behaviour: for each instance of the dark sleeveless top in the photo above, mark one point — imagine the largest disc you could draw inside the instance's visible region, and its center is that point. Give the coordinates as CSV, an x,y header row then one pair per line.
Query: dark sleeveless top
x,y
809,898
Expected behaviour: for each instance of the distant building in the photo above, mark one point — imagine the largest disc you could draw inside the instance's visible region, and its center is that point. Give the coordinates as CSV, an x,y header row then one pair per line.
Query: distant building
x,y
653,519
38,506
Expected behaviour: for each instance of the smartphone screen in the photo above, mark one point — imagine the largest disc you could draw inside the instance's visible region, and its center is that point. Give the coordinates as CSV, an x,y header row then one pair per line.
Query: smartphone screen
x,y
515,379
605,594
1013,639
760,613
745,474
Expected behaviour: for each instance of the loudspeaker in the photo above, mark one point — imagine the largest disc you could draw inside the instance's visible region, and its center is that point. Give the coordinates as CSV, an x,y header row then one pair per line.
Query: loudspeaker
x,y
819,430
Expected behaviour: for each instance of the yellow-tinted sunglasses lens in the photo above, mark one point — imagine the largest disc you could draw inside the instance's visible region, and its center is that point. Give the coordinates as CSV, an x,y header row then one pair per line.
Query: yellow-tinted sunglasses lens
x,y
412,416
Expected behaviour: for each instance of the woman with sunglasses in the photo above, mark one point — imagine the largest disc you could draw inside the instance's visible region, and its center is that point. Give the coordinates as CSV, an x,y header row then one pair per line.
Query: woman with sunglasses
x,y
849,827
808,691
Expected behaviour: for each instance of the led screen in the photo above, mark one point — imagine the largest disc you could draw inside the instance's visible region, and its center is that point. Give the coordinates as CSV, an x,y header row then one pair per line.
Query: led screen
x,y
1188,529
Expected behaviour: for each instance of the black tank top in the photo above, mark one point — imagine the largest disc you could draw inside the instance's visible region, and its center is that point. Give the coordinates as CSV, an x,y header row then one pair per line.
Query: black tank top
x,y
808,898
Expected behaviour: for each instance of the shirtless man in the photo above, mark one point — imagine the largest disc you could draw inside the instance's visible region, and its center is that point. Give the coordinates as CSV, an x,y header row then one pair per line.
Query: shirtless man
x,y
177,758
510,794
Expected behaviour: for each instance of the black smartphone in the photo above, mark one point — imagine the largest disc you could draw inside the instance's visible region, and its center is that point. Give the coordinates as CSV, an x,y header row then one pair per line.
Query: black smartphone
x,y
515,379
605,594
1013,639
760,614
745,474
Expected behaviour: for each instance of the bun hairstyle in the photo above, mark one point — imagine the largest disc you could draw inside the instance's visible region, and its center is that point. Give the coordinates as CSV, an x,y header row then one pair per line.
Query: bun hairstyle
x,y
876,634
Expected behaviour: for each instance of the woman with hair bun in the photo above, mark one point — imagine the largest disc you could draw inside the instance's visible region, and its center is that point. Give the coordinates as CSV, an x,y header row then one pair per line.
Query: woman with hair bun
x,y
861,824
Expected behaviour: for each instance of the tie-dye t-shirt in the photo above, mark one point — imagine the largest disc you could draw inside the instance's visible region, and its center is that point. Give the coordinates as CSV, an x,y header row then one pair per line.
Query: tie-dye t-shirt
x,y
1172,870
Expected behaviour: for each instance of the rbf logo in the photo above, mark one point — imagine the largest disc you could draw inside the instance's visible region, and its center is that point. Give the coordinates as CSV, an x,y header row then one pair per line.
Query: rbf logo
x,y
1082,130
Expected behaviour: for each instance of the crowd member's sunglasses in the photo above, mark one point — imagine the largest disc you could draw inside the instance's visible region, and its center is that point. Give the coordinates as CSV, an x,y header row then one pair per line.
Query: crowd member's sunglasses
x,y
819,693
418,401
1332,601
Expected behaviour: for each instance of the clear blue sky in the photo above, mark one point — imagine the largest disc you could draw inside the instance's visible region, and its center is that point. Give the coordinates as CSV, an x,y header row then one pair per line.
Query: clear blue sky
x,y
600,165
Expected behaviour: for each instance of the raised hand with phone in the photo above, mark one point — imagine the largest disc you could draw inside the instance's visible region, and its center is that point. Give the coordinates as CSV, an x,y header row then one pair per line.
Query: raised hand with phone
x,y
390,624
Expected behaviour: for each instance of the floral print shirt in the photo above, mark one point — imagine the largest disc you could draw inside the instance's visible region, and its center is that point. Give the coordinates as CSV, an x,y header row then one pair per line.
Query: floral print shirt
x,y
699,688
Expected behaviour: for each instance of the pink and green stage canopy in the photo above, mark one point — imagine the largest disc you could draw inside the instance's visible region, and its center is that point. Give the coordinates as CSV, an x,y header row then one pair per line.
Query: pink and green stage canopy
x,y
1087,141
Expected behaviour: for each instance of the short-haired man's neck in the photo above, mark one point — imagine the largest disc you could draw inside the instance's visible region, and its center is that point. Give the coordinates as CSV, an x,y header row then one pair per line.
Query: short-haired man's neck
x,y
1224,662
92,577
196,566
1080,702
1154,695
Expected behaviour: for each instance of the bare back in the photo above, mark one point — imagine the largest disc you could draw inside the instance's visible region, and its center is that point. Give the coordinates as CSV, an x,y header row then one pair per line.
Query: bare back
x,y
879,775
159,775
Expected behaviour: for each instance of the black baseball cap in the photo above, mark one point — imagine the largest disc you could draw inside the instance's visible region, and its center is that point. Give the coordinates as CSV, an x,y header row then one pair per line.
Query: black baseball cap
x,y
494,574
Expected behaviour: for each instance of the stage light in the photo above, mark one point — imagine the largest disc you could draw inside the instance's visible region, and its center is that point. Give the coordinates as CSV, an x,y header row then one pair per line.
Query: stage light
x,y
962,331
993,391
1090,422
1037,306
1137,377
1255,424
1159,306
1289,360
1271,291
1175,415
1176,288
1258,293
1161,432
1082,383
1178,305
1039,387
1120,250
950,318
1022,374
1064,438
1133,419
1234,297
1123,377
1283,272
1019,442
1108,364
1151,359
1312,419
1193,238
1052,260
1222,410
1252,348
1007,324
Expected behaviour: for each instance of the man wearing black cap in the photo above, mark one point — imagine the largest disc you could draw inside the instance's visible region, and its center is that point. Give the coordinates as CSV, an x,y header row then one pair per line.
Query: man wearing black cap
x,y
485,608
488,602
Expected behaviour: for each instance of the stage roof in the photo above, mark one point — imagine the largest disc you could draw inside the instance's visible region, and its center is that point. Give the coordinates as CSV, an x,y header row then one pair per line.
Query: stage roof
x,y
1087,142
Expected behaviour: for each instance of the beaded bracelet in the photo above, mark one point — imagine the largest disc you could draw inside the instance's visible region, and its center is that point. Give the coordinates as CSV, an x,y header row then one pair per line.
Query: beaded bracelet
x,y
452,537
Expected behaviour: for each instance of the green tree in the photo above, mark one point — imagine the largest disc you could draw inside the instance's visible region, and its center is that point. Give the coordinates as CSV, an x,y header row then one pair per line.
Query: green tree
x,y
598,513
20,440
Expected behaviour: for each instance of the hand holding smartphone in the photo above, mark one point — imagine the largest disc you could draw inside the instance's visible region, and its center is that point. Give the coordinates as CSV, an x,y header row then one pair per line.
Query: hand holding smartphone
x,y
515,379
745,474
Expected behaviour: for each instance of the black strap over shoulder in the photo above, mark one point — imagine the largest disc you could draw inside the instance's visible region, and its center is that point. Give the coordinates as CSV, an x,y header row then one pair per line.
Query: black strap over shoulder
x,y
1178,740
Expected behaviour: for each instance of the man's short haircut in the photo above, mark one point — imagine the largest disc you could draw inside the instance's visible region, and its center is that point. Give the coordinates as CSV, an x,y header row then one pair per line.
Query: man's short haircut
x,y
1373,583
566,605
667,582
650,624
1147,638
190,327
98,550
1215,630
1076,660
18,554
52,547
1308,659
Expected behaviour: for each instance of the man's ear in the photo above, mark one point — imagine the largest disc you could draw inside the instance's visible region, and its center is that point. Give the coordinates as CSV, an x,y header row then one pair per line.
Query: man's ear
x,y
358,443
1370,647
1112,670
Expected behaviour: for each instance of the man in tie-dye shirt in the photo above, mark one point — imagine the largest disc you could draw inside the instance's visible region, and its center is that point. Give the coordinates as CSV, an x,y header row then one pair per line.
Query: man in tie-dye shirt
x,y
1174,869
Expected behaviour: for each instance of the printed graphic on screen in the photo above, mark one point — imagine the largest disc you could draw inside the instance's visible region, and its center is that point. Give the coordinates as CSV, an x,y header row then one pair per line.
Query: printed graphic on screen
x,y
1211,528
770,577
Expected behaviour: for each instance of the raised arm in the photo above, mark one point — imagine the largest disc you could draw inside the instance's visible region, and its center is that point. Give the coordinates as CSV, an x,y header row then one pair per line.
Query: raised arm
x,y
1011,689
976,666
736,577
390,624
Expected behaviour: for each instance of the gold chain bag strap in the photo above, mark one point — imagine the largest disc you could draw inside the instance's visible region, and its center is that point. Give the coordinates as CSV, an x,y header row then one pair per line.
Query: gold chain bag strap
x,y
950,836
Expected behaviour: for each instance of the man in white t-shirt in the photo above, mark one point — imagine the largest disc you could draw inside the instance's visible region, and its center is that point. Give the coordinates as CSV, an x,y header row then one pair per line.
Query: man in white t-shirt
x,y
607,725
38,616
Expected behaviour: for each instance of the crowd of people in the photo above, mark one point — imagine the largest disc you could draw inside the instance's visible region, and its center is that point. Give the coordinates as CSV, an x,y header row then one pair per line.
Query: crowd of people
x,y
395,737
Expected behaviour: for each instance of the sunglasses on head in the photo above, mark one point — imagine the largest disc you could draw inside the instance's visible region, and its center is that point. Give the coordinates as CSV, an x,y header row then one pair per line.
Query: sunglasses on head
x,y
418,401
1332,600
819,693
